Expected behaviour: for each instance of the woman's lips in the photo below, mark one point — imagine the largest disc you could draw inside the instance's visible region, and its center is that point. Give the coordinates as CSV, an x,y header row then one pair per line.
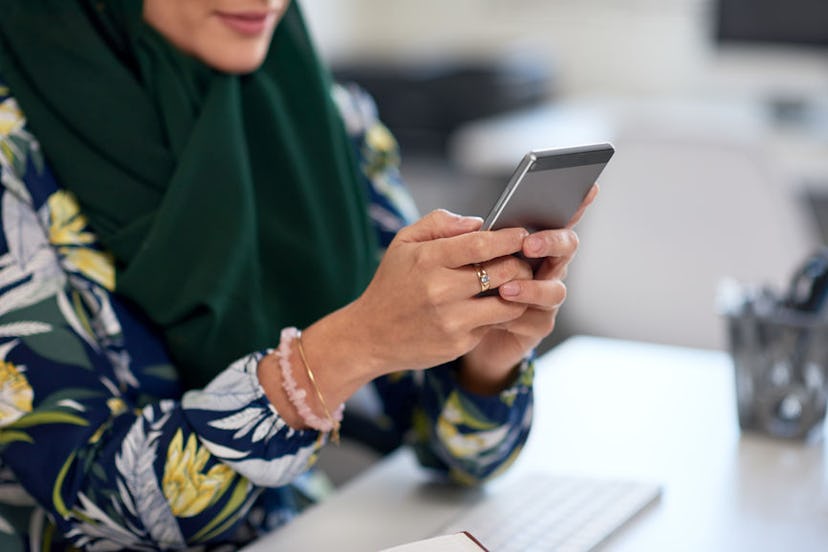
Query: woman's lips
x,y
248,24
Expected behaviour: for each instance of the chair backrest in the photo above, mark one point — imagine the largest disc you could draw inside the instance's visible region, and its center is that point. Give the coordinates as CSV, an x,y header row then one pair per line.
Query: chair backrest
x,y
674,217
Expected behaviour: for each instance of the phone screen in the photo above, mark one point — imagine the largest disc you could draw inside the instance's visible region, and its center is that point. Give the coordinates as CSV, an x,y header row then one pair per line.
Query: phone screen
x,y
548,187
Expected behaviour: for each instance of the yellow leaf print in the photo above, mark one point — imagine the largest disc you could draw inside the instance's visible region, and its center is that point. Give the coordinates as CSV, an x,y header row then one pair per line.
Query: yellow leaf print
x,y
380,138
116,406
466,445
12,122
15,394
67,231
188,490
454,413
93,264
67,222
11,118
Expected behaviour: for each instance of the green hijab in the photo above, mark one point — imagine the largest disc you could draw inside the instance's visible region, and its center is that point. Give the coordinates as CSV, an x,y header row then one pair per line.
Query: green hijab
x,y
232,204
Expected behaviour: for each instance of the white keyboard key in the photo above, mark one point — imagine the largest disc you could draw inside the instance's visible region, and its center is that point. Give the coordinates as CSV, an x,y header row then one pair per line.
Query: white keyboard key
x,y
541,512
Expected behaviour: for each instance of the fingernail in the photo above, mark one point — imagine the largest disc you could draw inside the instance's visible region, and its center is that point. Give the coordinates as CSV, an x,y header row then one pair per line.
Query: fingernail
x,y
510,289
534,244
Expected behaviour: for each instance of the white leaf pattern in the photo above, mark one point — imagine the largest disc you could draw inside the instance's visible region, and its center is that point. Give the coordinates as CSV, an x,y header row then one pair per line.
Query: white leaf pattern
x,y
121,361
5,526
233,389
14,184
68,312
135,465
106,534
15,494
24,234
223,452
238,420
6,259
126,499
6,347
244,430
32,255
267,429
24,328
99,304
105,316
69,403
11,274
273,472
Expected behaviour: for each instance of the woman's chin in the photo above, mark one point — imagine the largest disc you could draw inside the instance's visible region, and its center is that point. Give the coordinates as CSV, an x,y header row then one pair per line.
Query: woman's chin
x,y
232,62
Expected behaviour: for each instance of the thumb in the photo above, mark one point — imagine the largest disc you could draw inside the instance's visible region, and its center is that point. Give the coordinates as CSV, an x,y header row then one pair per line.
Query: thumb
x,y
439,224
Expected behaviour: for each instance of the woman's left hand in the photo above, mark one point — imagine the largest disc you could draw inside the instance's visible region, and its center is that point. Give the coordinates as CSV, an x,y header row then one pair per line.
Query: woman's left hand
x,y
489,367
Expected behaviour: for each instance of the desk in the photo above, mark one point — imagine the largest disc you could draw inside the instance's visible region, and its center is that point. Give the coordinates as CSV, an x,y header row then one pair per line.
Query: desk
x,y
613,408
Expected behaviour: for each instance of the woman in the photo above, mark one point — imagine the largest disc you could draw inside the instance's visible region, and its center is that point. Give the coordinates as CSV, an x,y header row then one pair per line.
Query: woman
x,y
179,194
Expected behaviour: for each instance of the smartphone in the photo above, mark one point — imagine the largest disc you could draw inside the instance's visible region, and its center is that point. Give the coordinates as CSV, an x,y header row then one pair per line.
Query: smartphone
x,y
548,186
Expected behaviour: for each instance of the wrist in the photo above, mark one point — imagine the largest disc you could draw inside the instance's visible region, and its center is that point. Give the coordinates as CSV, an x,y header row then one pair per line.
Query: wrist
x,y
345,342
476,379
270,378
342,350
292,387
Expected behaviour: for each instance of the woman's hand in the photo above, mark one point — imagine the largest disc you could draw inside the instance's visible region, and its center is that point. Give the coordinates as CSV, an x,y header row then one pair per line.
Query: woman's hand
x,y
488,368
421,309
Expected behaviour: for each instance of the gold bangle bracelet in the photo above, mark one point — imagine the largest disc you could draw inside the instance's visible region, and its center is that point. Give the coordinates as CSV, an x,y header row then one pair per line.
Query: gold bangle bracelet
x,y
312,378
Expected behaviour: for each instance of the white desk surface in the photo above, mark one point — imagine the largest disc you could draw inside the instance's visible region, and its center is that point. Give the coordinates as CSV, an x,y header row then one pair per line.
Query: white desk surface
x,y
612,408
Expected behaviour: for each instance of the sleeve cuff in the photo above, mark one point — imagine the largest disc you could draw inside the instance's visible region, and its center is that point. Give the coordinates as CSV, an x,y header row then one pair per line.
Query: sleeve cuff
x,y
237,423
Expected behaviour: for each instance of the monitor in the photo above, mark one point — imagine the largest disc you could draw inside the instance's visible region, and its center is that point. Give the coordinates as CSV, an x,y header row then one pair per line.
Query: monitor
x,y
794,22
776,50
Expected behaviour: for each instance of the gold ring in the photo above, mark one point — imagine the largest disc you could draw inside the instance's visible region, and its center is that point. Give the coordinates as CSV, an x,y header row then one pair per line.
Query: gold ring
x,y
483,277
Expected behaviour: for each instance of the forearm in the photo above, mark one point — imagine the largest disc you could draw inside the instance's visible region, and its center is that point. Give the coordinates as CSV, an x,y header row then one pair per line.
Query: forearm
x,y
477,436
470,437
340,356
171,473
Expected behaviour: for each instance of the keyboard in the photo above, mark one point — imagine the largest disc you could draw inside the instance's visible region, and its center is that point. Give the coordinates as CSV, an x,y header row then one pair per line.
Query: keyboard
x,y
542,512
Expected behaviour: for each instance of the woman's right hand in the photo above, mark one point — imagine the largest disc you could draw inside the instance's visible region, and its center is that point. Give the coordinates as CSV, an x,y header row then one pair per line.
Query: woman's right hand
x,y
420,310
422,307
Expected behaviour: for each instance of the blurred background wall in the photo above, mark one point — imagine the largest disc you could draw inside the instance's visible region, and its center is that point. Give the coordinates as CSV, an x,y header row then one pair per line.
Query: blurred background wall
x,y
721,132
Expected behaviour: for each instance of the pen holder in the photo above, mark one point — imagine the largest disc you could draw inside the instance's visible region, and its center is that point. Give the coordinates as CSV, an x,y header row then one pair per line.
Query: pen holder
x,y
780,357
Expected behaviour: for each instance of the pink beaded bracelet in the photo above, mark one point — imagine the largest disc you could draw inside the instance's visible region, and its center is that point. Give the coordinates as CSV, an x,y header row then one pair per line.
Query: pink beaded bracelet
x,y
297,395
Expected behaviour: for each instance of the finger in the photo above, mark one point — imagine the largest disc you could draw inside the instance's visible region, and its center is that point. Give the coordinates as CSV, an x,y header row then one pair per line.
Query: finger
x,y
588,199
439,224
485,312
539,294
552,268
533,325
561,243
496,272
479,247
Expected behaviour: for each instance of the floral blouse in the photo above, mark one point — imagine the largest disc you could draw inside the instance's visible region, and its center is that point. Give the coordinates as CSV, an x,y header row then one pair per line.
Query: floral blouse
x,y
101,448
